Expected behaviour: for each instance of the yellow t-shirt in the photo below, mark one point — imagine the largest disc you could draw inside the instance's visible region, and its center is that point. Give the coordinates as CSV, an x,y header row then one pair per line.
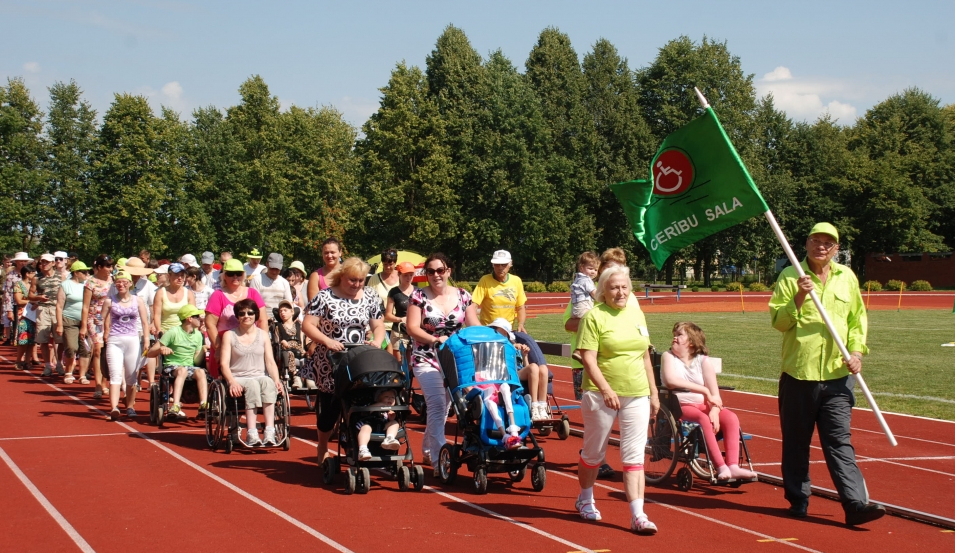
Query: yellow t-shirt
x,y
620,338
499,299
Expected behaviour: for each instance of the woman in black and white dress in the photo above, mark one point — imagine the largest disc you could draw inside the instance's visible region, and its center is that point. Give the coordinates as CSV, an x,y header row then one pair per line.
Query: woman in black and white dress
x,y
338,315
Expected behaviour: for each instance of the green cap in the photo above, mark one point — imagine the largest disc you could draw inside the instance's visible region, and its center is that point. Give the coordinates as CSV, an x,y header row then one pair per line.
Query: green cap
x,y
233,266
255,253
187,311
78,266
121,262
123,275
825,228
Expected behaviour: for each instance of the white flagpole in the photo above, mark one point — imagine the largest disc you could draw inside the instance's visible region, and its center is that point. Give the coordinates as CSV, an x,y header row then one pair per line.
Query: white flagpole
x,y
822,310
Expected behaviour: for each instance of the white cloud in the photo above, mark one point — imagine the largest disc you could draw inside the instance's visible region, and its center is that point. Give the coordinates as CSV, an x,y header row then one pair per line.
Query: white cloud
x,y
807,98
172,90
356,110
31,67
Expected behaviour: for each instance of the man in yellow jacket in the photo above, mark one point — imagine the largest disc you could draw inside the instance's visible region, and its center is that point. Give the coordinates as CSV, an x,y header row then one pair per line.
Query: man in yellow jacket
x,y
815,388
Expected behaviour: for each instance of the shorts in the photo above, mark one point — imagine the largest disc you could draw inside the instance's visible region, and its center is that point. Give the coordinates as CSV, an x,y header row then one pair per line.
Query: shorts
x,y
45,323
71,337
633,419
171,370
259,391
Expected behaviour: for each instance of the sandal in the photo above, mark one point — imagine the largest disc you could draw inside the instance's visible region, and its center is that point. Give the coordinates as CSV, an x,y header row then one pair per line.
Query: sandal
x,y
643,526
83,380
587,510
68,379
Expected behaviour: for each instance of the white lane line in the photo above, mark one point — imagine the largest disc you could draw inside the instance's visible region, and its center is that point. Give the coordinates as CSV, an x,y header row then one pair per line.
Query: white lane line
x,y
519,524
278,512
42,500
863,458
870,460
698,515
98,435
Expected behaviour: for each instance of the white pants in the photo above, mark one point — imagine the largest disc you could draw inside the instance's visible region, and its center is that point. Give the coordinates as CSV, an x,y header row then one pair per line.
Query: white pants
x,y
634,417
431,382
123,357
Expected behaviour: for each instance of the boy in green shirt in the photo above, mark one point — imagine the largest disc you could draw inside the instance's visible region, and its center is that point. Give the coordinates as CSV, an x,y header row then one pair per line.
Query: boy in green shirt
x,y
184,349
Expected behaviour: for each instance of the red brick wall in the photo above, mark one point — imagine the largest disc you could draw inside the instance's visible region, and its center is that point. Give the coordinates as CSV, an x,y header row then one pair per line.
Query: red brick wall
x,y
937,268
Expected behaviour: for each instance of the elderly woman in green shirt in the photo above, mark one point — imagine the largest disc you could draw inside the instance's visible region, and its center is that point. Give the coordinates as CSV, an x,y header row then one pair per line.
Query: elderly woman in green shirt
x,y
618,384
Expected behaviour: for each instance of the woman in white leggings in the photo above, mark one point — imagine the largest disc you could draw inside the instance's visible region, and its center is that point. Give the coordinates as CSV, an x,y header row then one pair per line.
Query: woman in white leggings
x,y
121,313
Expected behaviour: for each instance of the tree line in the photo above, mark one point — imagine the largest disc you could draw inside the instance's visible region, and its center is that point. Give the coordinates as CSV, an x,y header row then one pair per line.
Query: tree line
x,y
467,155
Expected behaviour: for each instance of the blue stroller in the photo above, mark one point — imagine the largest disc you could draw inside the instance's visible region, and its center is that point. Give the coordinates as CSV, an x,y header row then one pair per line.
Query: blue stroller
x,y
471,359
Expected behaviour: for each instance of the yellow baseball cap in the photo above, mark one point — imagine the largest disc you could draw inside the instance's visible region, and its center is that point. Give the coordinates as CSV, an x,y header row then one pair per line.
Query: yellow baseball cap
x,y
825,228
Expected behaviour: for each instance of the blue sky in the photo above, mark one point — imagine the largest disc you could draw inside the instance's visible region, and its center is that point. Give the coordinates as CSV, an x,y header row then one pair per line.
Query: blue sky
x,y
841,57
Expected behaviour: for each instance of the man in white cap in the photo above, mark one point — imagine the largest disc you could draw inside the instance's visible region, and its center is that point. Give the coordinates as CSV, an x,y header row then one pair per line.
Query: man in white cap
x,y
60,263
271,285
210,276
501,294
189,260
20,260
253,266
47,285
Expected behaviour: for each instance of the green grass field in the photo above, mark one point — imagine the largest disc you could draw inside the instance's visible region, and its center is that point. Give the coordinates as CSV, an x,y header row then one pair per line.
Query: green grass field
x,y
907,369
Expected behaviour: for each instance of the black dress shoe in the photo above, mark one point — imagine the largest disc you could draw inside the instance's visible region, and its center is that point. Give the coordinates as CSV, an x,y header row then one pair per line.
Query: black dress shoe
x,y
797,511
858,513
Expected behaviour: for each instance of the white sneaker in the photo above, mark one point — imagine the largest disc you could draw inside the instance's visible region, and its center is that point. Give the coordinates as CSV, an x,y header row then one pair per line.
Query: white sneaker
x,y
363,453
297,382
390,443
269,436
252,438
538,413
514,430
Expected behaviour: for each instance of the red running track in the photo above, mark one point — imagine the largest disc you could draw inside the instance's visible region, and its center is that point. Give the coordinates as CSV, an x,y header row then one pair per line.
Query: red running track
x,y
73,481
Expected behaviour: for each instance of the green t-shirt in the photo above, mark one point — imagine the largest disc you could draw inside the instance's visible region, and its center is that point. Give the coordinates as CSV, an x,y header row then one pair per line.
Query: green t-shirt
x,y
183,345
621,339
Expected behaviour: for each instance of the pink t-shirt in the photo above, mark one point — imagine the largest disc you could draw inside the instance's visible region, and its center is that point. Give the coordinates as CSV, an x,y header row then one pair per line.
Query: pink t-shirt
x,y
221,306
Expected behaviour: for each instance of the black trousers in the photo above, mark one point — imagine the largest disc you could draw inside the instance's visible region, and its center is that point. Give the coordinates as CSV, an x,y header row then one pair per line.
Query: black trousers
x,y
803,406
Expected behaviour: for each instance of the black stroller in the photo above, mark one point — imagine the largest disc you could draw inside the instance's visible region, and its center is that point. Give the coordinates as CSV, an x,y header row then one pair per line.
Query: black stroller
x,y
360,372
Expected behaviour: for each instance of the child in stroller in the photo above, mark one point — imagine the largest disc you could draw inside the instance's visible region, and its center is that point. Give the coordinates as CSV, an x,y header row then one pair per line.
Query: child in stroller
x,y
291,343
385,397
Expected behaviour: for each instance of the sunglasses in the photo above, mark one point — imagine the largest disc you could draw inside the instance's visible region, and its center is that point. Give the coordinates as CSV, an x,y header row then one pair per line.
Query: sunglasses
x,y
234,274
439,271
245,314
60,258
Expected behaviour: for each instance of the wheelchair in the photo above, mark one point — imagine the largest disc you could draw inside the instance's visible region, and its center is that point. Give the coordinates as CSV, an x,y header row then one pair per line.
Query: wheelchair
x,y
161,393
558,418
671,441
225,412
284,360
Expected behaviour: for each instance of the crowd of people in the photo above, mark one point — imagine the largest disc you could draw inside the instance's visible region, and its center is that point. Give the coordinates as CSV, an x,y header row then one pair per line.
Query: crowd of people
x,y
212,315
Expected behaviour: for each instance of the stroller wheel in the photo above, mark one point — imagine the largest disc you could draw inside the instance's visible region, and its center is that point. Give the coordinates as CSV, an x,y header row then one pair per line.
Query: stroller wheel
x,y
350,481
480,480
447,470
518,475
404,479
418,478
538,477
364,480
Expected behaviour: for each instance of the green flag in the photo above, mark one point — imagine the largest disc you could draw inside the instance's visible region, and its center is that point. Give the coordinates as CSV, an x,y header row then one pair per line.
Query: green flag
x,y
698,186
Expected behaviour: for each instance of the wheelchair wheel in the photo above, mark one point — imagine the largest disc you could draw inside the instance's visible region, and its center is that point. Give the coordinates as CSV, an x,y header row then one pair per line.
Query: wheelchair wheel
x,y
684,479
153,404
330,468
350,481
660,455
160,416
215,415
283,418
538,477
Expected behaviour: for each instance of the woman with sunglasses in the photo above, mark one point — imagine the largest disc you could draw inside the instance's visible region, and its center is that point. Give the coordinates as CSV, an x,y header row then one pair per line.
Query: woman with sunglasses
x,y
96,288
26,327
170,299
220,311
124,352
69,316
384,281
338,315
246,350
331,256
434,313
